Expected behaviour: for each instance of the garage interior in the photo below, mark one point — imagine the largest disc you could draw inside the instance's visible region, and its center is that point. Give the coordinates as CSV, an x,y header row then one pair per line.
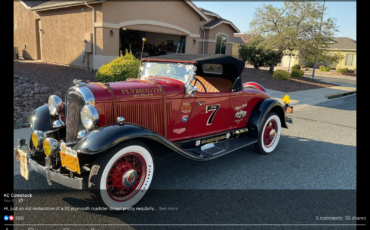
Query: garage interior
x,y
156,43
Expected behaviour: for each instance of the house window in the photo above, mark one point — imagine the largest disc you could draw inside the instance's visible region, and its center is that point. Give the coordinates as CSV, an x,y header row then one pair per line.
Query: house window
x,y
220,45
350,60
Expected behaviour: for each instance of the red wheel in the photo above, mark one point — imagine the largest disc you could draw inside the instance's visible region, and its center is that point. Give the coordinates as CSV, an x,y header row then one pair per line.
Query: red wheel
x,y
269,135
121,177
126,176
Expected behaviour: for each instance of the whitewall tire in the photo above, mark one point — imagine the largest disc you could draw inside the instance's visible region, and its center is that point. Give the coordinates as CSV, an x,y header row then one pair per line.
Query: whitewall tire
x,y
120,178
269,135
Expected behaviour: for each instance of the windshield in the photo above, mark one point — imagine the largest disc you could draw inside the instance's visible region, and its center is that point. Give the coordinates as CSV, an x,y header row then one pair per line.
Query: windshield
x,y
174,70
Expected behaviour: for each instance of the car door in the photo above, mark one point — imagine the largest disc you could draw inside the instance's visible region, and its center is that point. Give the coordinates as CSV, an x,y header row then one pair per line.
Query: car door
x,y
209,113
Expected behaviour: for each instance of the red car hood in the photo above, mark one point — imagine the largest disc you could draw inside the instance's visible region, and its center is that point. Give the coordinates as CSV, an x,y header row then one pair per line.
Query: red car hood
x,y
128,90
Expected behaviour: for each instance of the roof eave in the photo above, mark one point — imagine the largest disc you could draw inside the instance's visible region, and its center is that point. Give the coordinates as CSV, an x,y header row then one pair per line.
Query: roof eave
x,y
191,4
226,22
214,15
62,5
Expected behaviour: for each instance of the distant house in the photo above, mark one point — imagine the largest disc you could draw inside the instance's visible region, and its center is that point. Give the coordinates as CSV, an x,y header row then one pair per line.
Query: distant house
x,y
344,45
347,47
237,42
240,39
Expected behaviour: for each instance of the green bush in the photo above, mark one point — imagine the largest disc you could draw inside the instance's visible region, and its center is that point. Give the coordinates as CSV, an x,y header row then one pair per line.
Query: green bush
x,y
281,74
296,66
297,73
341,71
119,69
325,69
350,71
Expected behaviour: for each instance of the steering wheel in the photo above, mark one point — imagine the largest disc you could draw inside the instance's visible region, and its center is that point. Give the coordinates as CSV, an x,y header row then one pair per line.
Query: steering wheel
x,y
196,79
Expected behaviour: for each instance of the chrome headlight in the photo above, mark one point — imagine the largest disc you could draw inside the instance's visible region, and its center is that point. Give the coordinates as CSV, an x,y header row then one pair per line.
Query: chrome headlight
x,y
37,138
50,146
55,104
89,117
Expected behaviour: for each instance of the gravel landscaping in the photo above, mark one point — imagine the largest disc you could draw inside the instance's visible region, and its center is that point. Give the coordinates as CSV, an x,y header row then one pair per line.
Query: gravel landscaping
x,y
264,78
34,82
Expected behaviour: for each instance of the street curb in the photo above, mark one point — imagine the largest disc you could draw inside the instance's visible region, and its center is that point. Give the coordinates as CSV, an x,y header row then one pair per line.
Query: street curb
x,y
332,96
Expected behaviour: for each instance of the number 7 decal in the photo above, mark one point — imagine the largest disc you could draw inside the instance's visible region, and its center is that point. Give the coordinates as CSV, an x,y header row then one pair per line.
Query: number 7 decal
x,y
214,109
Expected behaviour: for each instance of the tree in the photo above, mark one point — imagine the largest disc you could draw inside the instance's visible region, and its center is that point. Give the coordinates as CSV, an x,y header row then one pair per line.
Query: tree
x,y
255,56
325,58
293,26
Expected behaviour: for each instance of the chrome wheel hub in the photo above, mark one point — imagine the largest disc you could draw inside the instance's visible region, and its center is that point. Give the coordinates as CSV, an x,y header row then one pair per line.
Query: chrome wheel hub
x,y
129,178
272,134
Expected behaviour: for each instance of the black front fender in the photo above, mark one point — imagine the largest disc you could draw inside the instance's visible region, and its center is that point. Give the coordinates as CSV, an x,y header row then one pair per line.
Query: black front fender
x,y
106,137
41,119
260,111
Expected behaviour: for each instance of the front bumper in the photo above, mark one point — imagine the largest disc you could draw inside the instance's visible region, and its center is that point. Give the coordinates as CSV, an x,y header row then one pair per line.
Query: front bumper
x,y
76,183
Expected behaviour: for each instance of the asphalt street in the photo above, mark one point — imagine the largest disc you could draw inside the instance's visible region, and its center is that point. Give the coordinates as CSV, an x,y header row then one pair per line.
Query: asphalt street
x,y
310,177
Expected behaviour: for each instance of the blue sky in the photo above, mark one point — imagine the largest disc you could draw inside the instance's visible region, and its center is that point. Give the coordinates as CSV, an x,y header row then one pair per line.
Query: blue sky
x,y
241,13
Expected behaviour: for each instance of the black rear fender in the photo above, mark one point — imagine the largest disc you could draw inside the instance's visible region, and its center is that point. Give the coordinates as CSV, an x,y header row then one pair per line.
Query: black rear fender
x,y
260,111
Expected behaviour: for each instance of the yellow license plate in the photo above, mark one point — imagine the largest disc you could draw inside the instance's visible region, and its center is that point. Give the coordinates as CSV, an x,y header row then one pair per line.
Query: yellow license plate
x,y
22,157
70,162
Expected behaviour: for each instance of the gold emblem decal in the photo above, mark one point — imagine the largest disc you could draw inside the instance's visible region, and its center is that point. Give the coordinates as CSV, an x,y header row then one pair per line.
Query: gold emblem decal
x,y
185,107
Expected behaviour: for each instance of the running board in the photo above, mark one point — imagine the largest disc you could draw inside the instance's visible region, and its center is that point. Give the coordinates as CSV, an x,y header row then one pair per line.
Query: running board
x,y
222,148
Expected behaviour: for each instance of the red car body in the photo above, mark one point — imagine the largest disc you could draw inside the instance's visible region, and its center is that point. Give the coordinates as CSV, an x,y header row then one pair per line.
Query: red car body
x,y
147,110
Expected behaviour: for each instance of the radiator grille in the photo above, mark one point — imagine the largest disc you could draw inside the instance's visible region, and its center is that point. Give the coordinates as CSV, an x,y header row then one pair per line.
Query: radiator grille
x,y
149,115
75,102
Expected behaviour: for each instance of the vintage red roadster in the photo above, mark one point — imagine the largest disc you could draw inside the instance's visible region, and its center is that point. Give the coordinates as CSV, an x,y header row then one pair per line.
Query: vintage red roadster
x,y
191,104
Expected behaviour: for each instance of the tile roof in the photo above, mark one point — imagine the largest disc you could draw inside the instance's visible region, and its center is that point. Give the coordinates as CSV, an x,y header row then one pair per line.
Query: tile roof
x,y
343,43
238,40
208,12
244,37
214,22
33,3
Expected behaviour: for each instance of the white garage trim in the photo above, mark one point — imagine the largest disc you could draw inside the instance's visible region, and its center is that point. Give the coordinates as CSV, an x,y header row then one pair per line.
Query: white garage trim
x,y
145,22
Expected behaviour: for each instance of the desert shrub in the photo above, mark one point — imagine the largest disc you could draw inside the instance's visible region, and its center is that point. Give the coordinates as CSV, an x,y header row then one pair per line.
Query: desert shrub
x,y
281,74
325,69
297,73
257,57
341,71
296,66
119,69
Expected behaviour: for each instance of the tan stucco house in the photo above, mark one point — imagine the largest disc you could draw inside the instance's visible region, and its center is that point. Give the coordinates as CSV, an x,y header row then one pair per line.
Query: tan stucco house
x,y
92,33
346,46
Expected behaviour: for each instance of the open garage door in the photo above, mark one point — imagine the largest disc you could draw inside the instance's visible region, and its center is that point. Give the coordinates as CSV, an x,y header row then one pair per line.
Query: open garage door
x,y
156,43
